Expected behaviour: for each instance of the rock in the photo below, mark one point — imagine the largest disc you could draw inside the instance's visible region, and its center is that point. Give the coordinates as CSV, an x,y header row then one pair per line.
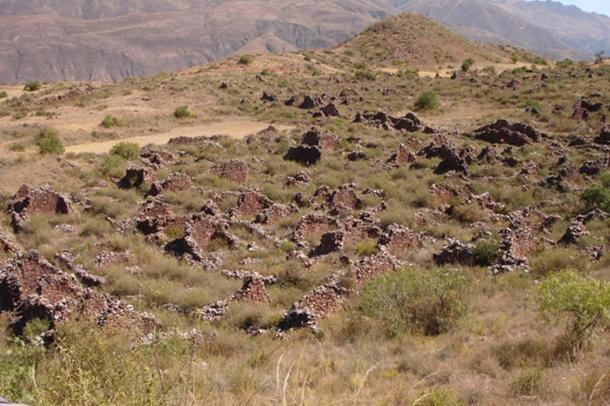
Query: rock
x,y
300,177
330,110
268,97
249,203
135,178
583,107
253,290
604,136
42,200
234,171
356,156
304,154
410,123
402,156
314,138
396,238
308,103
156,158
593,168
345,197
175,182
329,243
504,132
455,252
111,258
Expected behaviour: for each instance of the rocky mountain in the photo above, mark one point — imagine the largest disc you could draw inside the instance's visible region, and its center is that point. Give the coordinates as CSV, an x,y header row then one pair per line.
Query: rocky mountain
x,y
546,27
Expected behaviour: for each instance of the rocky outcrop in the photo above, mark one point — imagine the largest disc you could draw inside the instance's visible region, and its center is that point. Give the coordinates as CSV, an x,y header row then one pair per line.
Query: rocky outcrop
x,y
304,154
175,182
409,122
136,177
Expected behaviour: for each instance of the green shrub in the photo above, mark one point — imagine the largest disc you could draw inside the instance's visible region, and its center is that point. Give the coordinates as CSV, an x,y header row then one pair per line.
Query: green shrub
x,y
555,260
112,165
581,302
428,101
32,86
416,300
110,121
467,64
598,196
182,112
126,150
48,142
534,106
3,94
365,74
245,60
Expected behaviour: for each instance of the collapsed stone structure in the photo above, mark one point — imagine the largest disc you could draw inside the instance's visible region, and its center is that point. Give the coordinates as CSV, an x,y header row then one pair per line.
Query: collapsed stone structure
x,y
234,170
33,288
504,132
41,200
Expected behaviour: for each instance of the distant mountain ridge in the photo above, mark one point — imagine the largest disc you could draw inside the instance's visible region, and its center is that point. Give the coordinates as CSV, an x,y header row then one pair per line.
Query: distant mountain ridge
x,y
546,27
108,40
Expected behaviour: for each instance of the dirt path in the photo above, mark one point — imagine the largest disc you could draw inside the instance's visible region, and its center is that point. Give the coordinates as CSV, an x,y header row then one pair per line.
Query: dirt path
x,y
237,129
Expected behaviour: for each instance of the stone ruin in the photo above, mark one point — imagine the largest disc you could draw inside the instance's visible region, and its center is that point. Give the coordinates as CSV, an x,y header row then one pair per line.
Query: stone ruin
x,y
344,197
42,200
583,107
175,182
504,132
604,136
250,203
234,171
402,157
200,230
156,158
324,141
33,288
156,216
136,177
396,238
577,227
517,243
409,122
455,252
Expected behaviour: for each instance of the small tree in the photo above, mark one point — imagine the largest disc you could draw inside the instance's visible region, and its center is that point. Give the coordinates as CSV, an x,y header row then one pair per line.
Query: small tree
x,y
427,101
467,64
3,94
48,142
581,302
32,86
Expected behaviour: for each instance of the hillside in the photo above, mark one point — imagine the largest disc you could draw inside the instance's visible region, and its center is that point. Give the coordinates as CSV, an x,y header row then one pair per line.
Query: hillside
x,y
108,41
545,27
310,228
421,43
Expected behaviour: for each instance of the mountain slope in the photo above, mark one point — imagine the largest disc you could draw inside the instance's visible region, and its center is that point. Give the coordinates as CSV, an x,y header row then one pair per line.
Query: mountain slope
x,y
546,27
83,40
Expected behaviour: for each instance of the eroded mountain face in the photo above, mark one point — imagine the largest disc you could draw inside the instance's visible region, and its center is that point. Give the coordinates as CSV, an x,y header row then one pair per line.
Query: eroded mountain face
x,y
111,40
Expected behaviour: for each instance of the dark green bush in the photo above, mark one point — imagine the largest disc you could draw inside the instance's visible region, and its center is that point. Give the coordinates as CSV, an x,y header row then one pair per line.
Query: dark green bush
x,y
486,252
3,94
598,196
48,142
428,301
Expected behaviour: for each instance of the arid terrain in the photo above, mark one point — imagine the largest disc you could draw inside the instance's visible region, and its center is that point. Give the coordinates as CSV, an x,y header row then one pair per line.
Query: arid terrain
x,y
110,40
409,218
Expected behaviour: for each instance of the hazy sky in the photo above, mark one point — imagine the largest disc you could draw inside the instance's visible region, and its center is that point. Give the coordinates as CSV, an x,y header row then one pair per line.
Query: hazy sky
x,y
600,6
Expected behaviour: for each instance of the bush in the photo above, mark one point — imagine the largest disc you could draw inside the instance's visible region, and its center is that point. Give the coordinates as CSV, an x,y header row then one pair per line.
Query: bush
x,y
48,142
182,112
3,94
427,101
16,147
365,74
245,60
32,86
581,302
467,64
598,196
126,150
112,165
110,121
486,253
416,300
